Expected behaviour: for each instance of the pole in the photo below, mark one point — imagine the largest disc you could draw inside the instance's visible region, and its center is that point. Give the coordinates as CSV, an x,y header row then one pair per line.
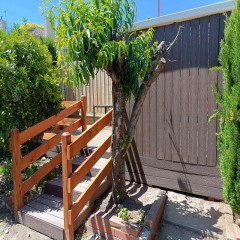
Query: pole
x,y
158,8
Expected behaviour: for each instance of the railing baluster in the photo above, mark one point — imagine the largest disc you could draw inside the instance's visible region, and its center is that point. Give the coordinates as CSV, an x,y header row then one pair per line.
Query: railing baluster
x,y
67,197
16,171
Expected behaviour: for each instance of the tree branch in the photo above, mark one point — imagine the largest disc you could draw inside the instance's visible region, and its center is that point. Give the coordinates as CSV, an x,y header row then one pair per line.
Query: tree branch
x,y
176,38
157,66
112,74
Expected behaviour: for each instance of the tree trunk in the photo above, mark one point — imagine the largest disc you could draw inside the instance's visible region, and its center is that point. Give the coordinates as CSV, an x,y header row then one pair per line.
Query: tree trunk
x,y
118,168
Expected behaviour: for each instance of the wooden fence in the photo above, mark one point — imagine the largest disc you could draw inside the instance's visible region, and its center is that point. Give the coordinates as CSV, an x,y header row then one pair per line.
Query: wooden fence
x,y
98,92
176,144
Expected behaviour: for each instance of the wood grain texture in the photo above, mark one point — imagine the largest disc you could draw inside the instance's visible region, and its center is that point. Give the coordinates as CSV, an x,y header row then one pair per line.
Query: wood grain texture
x,y
16,170
161,129
184,96
90,190
203,92
213,61
87,135
168,87
42,126
193,92
176,103
41,173
46,146
87,165
67,195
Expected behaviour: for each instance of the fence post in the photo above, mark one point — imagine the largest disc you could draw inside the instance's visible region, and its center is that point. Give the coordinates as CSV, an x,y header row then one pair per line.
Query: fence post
x,y
84,112
17,194
67,194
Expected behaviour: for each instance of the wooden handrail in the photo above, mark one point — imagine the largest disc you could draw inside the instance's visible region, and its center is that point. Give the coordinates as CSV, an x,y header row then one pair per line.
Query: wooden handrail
x,y
90,190
17,138
89,134
70,180
43,148
41,173
42,126
84,168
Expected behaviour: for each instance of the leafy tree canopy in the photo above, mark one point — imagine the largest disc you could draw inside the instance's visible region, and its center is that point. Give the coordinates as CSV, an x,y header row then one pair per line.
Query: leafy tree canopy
x,y
96,34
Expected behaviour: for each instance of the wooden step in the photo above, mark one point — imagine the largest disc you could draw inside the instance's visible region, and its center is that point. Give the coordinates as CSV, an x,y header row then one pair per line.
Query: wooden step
x,y
45,215
96,168
54,187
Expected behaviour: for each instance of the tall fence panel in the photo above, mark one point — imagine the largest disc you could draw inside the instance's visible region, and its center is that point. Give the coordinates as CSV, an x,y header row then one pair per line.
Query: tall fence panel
x,y
175,141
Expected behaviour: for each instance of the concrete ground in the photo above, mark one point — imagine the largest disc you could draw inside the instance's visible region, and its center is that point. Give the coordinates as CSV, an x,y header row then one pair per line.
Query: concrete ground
x,y
189,218
185,218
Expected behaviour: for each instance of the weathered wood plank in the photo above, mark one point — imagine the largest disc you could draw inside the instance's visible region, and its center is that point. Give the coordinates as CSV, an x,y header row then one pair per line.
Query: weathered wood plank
x,y
67,121
160,106
185,52
16,170
179,183
89,192
176,103
203,92
42,172
67,104
146,125
67,195
213,61
42,149
168,98
180,167
193,92
42,126
86,166
87,135
204,181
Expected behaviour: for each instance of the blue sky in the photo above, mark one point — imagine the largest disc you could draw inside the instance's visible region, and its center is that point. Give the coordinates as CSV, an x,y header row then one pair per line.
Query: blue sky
x,y
16,10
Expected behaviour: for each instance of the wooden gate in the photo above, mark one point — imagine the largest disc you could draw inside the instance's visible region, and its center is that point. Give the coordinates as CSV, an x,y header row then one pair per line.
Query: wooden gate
x,y
176,144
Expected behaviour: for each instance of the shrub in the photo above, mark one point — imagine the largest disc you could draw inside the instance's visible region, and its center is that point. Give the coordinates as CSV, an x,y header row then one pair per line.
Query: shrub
x,y
229,114
28,83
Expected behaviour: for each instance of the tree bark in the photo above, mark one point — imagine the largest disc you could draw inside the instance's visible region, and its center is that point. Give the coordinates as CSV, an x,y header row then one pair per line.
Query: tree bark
x,y
118,168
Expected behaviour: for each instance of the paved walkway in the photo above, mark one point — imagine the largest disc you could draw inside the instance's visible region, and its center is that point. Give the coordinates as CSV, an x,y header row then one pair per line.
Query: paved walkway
x,y
189,218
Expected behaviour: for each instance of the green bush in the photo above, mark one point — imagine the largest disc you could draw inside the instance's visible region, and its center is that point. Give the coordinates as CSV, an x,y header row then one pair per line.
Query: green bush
x,y
229,114
28,83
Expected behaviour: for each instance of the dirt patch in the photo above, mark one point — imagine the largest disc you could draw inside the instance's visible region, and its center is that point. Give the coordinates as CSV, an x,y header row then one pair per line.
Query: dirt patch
x,y
137,203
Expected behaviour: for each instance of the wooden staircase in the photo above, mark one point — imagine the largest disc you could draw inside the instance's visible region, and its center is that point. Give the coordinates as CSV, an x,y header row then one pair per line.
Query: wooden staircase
x,y
68,199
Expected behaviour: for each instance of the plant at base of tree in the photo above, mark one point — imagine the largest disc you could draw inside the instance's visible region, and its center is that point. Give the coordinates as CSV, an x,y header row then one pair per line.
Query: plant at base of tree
x,y
228,99
97,34
29,83
123,214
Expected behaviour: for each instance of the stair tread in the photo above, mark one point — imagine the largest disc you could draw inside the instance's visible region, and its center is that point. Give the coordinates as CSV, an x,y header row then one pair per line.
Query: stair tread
x,y
79,188
45,214
99,164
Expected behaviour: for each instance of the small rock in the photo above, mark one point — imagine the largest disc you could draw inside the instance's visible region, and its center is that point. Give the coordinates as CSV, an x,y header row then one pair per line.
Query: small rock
x,y
6,231
29,235
120,206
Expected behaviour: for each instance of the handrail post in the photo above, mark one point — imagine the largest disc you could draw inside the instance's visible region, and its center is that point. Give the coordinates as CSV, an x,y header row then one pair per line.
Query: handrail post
x,y
17,193
67,194
84,112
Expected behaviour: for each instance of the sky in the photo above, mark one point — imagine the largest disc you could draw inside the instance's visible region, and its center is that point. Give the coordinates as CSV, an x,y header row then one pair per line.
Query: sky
x,y
15,10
